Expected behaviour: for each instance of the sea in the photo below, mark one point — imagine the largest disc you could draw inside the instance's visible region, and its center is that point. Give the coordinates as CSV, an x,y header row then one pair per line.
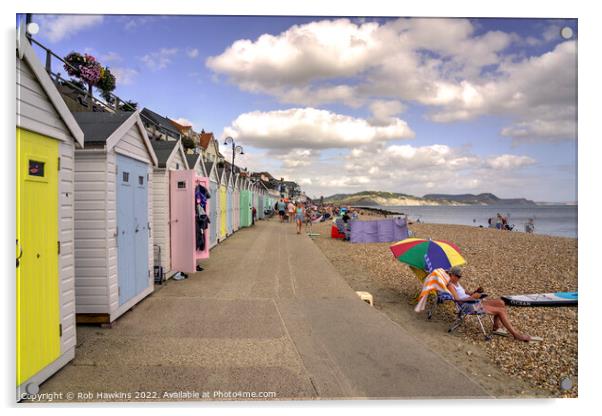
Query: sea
x,y
555,220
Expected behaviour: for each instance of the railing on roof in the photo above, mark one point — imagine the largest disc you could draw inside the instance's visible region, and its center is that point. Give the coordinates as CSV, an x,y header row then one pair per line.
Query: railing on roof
x,y
117,103
114,104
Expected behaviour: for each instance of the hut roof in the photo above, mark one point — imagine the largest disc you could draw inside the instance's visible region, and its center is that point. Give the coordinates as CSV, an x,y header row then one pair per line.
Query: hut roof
x,y
163,150
192,158
98,126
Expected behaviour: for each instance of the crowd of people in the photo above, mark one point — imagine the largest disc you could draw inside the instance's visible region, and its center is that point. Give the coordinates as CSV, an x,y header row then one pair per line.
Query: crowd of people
x,y
306,213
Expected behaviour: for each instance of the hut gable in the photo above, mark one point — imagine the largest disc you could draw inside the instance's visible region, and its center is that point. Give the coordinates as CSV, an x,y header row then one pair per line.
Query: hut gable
x,y
211,168
40,107
121,131
195,163
170,154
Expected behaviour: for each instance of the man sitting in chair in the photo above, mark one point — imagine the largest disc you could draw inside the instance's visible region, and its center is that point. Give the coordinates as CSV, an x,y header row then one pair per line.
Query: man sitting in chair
x,y
495,307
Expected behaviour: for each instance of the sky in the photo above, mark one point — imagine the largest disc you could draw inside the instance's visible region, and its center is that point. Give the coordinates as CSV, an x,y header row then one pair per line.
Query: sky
x,y
347,104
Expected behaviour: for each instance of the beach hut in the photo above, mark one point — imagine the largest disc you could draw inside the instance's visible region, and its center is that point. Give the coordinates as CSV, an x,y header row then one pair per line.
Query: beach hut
x,y
211,168
170,157
236,202
230,211
245,203
113,215
195,163
189,210
259,201
46,137
223,203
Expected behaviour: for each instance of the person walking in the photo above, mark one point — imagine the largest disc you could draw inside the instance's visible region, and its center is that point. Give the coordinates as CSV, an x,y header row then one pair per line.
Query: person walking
x,y
308,219
281,208
291,212
299,216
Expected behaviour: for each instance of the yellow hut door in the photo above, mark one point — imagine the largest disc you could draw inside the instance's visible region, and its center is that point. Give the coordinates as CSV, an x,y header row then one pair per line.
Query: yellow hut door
x,y
38,314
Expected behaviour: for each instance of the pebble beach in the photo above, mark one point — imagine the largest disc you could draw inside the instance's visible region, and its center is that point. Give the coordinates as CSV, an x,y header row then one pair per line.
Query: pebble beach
x,y
503,263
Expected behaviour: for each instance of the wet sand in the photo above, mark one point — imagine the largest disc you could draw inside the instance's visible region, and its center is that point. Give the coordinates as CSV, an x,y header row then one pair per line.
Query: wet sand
x,y
502,263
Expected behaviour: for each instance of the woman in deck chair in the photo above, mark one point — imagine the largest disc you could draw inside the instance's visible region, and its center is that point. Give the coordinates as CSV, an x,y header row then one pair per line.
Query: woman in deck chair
x,y
495,307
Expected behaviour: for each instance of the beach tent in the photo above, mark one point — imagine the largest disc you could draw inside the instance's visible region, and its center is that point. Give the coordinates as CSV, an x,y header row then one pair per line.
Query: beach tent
x,y
113,215
46,137
236,202
223,204
379,231
171,157
229,211
211,168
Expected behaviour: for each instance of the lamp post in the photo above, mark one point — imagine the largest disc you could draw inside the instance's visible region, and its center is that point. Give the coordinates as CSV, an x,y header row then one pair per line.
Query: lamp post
x,y
229,141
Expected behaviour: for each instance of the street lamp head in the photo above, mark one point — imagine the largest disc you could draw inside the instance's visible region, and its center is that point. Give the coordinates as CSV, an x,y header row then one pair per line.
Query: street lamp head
x,y
239,150
228,140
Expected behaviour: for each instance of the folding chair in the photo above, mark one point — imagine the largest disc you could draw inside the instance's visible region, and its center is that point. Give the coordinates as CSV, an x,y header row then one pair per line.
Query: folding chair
x,y
463,309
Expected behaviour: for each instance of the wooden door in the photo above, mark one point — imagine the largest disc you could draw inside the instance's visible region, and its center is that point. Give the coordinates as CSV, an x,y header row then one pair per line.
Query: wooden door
x,y
38,301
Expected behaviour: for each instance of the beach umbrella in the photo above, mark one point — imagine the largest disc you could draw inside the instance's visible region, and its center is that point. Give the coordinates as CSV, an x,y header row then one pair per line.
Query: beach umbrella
x,y
426,255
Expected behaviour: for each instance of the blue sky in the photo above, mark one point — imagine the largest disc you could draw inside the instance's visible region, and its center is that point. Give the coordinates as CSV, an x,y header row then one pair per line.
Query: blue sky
x,y
347,104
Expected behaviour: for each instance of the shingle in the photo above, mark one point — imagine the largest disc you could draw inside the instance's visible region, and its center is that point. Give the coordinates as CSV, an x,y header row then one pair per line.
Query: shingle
x,y
192,159
98,126
163,149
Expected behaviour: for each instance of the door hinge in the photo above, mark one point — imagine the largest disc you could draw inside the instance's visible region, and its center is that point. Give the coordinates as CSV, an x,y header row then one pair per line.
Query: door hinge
x,y
59,164
58,243
60,330
118,290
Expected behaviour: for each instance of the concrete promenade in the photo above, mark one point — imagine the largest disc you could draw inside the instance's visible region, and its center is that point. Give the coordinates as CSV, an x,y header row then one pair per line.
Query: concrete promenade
x,y
268,314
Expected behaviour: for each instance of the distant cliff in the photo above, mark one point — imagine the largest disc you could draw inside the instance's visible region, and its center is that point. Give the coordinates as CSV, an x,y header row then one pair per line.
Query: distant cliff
x,y
372,198
480,199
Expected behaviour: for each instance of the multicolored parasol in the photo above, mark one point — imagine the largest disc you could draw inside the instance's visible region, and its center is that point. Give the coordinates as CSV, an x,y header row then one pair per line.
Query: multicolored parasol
x,y
416,252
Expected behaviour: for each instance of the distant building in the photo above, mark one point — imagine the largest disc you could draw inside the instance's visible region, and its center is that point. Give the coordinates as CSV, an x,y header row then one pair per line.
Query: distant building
x,y
190,138
210,147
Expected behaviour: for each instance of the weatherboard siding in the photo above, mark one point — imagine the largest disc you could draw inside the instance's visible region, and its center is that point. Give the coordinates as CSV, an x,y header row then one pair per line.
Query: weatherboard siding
x,y
160,215
111,233
132,145
35,112
92,206
66,237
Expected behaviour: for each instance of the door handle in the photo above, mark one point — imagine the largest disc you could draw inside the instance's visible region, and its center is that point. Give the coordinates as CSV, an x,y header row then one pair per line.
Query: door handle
x,y
20,252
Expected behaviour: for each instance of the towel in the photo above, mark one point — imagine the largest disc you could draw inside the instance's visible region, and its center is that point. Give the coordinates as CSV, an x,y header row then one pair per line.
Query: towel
x,y
435,282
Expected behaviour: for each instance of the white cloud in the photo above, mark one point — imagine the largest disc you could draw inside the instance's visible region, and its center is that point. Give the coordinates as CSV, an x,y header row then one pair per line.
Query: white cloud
x,y
440,63
415,170
124,75
109,57
134,22
505,162
59,27
383,111
534,129
192,53
311,128
159,59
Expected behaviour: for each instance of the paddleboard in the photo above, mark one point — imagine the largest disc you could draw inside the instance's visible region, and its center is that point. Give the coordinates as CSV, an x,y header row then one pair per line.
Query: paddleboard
x,y
542,299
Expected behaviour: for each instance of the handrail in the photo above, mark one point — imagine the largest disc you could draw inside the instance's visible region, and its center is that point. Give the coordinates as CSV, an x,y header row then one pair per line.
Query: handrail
x,y
107,105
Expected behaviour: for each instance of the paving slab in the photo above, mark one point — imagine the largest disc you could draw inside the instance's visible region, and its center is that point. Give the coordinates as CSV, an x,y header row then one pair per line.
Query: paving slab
x,y
269,312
